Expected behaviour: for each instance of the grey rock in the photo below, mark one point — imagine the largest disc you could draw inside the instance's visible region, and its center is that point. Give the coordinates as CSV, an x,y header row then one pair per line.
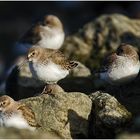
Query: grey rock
x,y
64,113
108,116
80,71
75,115
14,133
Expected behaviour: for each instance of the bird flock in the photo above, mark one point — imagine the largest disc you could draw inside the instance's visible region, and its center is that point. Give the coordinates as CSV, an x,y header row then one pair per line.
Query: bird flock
x,y
48,64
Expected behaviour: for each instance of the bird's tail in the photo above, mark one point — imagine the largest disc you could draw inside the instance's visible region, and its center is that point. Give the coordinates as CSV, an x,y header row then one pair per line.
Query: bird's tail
x,y
73,64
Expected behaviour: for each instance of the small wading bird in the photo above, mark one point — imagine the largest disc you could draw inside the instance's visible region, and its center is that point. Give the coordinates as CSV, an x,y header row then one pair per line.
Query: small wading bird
x,y
48,65
122,66
16,114
47,33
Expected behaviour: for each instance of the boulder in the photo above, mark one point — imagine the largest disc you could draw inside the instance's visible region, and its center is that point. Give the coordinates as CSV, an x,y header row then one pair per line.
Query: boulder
x,y
63,113
15,133
74,115
108,117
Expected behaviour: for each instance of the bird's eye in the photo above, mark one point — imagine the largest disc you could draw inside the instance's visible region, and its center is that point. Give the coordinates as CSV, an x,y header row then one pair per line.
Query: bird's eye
x,y
33,53
4,103
47,22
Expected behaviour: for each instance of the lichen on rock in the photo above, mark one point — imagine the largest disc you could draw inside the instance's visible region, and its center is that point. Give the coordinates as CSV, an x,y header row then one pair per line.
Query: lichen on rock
x,y
108,116
64,113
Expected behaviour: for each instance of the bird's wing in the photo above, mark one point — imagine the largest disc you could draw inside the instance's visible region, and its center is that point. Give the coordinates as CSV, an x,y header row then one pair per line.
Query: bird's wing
x,y
32,36
29,115
108,62
58,58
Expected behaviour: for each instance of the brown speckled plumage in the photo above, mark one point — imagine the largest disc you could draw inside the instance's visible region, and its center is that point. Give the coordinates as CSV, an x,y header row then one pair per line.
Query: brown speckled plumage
x,y
28,114
46,55
121,66
10,107
49,27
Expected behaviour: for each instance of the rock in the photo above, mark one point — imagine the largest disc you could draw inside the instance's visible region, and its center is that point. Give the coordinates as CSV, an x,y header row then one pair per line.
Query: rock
x,y
52,89
100,36
128,95
19,86
80,71
78,84
133,130
108,116
63,113
75,115
76,48
14,133
128,136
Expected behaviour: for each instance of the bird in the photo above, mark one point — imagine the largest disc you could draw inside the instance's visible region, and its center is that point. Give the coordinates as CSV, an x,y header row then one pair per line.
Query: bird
x,y
120,67
16,114
48,65
47,33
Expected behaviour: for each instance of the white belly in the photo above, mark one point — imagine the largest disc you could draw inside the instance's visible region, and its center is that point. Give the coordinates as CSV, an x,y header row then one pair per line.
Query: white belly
x,y
52,42
16,121
122,74
48,73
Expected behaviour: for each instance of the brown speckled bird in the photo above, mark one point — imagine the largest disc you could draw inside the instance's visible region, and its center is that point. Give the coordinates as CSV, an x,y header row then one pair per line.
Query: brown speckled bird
x,y
49,65
122,66
47,33
16,114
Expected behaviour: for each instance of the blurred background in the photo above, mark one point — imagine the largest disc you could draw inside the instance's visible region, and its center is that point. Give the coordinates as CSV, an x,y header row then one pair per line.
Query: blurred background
x,y
17,17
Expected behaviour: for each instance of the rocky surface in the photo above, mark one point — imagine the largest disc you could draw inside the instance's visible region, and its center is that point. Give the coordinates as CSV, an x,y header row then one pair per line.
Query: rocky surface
x,y
14,133
80,71
74,115
108,116
64,113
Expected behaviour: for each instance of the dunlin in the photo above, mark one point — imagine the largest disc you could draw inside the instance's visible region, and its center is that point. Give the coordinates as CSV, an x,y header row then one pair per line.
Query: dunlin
x,y
122,66
47,33
49,65
16,114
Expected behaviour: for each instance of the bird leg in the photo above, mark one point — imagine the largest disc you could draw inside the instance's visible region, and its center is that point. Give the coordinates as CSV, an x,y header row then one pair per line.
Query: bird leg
x,y
52,89
46,90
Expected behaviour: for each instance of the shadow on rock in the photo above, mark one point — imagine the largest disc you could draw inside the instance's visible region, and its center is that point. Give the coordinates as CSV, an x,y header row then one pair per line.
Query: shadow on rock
x,y
18,91
78,84
74,121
